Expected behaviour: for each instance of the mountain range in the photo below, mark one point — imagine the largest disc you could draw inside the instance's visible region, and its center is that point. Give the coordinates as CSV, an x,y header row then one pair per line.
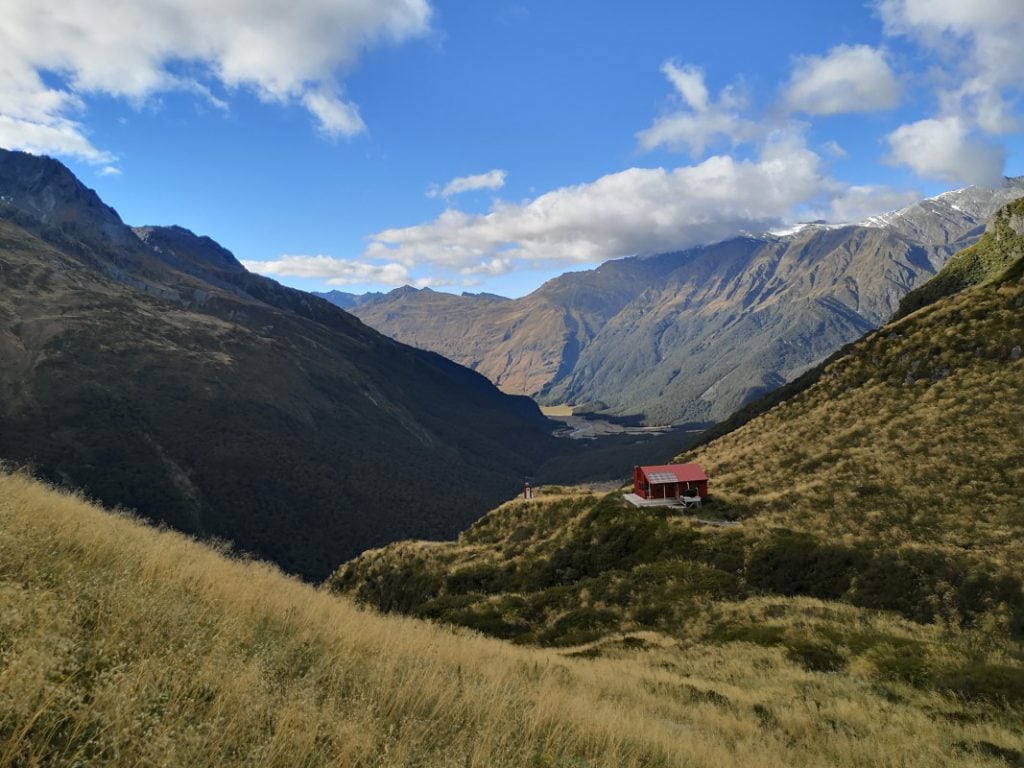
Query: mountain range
x,y
691,336
149,369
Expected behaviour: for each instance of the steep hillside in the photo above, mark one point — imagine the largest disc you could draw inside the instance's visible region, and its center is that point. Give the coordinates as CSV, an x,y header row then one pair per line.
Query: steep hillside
x,y
892,482
1000,248
693,336
914,434
121,645
986,260
151,370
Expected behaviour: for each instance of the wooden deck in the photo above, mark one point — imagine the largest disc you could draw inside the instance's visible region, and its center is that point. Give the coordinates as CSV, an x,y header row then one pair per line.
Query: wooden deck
x,y
637,501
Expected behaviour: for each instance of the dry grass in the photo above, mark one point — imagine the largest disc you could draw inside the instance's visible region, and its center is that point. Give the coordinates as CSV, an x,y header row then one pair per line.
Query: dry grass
x,y
120,645
914,438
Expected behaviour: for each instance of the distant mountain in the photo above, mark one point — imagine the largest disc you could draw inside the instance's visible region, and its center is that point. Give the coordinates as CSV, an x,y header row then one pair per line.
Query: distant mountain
x,y
346,300
692,336
151,370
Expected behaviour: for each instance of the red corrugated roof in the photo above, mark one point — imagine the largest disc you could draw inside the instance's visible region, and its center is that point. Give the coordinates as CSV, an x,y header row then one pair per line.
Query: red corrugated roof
x,y
684,473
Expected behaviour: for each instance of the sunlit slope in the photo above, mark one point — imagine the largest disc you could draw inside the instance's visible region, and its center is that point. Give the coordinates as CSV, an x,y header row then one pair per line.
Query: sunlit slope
x,y
986,260
121,645
914,437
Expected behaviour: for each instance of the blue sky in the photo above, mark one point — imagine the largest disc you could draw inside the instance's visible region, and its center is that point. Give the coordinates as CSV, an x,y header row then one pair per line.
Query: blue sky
x,y
489,145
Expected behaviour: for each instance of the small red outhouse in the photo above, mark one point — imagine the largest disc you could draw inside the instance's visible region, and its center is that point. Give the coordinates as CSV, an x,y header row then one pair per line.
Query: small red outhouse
x,y
668,481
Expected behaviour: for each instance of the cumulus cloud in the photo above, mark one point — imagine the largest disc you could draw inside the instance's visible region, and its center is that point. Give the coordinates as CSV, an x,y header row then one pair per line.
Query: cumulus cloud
x,y
702,121
337,271
292,52
336,117
979,57
946,149
634,211
979,49
847,79
491,180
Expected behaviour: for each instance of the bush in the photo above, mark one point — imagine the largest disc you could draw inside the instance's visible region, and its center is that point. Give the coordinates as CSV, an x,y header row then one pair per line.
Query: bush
x,y
402,586
996,683
490,621
791,563
485,577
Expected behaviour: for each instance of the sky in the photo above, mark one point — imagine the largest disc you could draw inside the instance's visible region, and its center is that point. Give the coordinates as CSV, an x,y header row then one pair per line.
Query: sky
x,y
489,145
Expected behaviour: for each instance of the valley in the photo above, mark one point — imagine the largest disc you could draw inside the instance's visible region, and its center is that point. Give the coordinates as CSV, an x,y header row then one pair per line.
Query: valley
x,y
422,384
148,369
860,605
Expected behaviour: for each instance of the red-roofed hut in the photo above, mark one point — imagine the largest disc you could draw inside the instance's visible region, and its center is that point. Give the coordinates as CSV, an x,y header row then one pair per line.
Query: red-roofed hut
x,y
668,481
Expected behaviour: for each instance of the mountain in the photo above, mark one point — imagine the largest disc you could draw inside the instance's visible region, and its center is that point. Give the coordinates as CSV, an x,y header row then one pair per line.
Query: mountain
x,y
124,645
890,482
346,300
692,336
151,370
914,433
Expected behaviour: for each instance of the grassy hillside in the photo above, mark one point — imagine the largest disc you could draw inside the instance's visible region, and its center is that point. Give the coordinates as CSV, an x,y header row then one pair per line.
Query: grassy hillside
x,y
888,485
913,438
121,645
1000,246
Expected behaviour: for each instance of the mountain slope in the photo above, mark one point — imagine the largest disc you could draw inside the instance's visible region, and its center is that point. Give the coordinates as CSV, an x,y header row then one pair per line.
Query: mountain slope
x,y
153,371
986,260
122,645
692,336
914,434
521,345
891,481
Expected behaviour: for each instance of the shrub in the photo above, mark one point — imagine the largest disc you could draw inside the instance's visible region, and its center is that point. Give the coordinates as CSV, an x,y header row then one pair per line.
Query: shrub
x,y
789,563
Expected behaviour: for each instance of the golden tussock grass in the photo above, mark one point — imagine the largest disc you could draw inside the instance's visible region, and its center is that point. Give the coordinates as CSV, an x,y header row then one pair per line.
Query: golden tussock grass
x,y
121,645
915,437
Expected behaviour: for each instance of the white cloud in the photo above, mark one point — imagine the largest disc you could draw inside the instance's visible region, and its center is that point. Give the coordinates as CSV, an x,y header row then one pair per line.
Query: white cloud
x,y
835,149
491,180
979,48
54,135
287,52
689,81
946,149
634,211
491,267
859,202
109,170
703,121
847,79
337,271
337,118
955,16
